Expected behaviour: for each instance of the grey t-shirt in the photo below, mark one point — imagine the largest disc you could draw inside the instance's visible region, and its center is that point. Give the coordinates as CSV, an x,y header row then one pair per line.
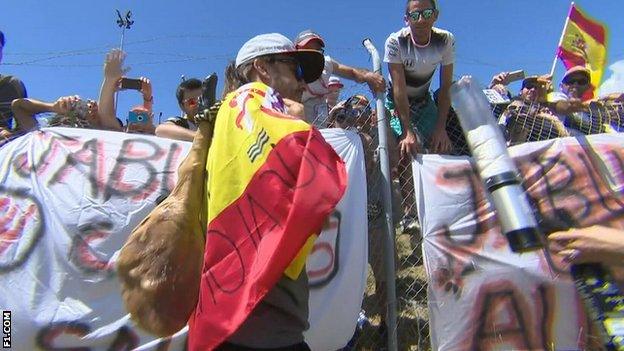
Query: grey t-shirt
x,y
280,319
419,62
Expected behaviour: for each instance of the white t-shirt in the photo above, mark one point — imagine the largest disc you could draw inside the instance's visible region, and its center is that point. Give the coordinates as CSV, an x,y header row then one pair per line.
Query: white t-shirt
x,y
314,97
419,62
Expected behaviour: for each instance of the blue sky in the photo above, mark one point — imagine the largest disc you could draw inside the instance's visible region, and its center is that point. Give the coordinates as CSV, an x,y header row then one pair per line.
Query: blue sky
x,y
57,47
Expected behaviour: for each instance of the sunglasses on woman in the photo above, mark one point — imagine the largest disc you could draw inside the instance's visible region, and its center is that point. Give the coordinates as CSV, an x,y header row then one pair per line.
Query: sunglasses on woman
x,y
425,14
577,81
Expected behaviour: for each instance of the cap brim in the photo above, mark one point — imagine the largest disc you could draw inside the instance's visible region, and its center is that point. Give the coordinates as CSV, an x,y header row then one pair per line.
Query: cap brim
x,y
577,69
530,79
305,41
312,62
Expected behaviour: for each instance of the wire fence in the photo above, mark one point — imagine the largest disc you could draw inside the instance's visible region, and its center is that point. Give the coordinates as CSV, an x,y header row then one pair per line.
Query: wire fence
x,y
521,121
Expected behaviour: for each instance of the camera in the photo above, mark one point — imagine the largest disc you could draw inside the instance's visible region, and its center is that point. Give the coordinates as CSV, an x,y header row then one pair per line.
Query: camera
x,y
208,95
131,83
138,117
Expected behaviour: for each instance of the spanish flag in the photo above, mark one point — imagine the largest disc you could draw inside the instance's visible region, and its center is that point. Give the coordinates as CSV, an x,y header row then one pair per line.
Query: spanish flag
x,y
272,181
584,43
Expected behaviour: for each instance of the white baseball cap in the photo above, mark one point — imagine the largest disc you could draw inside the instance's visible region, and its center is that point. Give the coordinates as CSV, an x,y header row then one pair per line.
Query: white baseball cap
x,y
311,61
335,81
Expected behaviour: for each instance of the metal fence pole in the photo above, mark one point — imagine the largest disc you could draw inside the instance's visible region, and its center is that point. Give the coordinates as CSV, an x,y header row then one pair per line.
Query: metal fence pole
x,y
382,129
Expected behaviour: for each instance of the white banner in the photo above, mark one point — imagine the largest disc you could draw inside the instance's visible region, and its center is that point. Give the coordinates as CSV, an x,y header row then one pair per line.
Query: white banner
x,y
481,295
337,267
69,198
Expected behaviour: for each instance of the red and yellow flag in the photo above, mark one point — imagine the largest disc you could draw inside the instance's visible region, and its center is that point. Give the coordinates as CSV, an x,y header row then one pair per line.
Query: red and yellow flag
x,y
584,43
272,181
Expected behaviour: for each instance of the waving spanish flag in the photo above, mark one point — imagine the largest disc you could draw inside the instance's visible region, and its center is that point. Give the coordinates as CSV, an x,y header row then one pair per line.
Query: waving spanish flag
x,y
272,182
584,43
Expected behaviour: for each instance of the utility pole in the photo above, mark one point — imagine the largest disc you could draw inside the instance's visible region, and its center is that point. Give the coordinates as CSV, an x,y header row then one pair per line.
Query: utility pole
x,y
123,22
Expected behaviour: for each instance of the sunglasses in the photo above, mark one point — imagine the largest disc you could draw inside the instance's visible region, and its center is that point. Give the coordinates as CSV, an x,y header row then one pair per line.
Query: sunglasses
x,y
577,81
191,101
425,14
289,61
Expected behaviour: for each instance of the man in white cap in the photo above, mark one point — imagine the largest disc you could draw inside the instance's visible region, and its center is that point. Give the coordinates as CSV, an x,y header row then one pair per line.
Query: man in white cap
x,y
335,87
281,317
314,97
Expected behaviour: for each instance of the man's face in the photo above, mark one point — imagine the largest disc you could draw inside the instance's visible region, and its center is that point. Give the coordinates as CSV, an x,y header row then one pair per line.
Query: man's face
x,y
529,90
283,78
575,85
334,94
421,16
190,103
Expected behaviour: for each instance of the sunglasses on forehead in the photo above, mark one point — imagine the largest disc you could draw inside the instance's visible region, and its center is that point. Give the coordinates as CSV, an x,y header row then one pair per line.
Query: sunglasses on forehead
x,y
290,61
425,14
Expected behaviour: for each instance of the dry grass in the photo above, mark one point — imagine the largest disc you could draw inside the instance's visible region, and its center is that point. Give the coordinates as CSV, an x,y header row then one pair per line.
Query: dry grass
x,y
411,288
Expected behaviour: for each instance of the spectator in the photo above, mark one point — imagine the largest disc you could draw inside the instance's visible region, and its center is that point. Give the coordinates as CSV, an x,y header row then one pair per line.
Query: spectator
x,y
529,116
113,74
584,115
182,127
140,120
233,81
281,317
574,86
335,87
70,111
413,53
315,96
11,88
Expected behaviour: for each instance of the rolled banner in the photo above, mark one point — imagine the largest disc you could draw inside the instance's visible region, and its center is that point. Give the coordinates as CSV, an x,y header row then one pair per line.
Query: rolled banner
x,y
495,167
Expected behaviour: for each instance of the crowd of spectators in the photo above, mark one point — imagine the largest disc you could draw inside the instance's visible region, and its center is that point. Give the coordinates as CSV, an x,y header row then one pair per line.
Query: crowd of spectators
x,y
539,113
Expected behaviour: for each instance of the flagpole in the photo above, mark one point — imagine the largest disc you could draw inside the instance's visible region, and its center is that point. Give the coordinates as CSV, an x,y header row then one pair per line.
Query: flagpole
x,y
565,26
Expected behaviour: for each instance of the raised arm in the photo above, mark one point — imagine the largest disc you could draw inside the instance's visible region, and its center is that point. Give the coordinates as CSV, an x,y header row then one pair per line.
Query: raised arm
x,y
146,91
25,109
113,72
375,81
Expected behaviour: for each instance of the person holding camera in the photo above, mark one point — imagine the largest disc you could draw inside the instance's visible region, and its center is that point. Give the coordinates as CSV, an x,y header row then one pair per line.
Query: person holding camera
x,y
140,117
70,111
188,94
